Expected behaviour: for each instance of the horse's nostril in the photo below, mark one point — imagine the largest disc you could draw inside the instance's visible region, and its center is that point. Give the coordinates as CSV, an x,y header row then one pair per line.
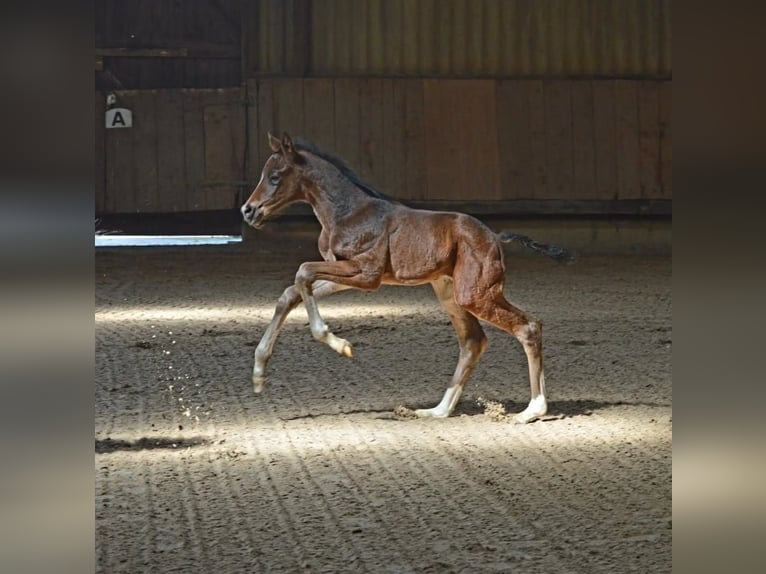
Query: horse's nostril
x,y
247,209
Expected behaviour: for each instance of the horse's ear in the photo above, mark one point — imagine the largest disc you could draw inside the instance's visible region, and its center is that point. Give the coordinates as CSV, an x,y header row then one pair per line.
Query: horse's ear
x,y
289,151
274,143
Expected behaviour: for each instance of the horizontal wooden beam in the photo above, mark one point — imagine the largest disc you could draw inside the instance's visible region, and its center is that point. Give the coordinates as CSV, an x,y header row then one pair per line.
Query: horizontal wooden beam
x,y
203,51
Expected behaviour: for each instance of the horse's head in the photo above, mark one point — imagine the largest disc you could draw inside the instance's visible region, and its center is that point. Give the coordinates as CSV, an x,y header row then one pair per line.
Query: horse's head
x,y
279,185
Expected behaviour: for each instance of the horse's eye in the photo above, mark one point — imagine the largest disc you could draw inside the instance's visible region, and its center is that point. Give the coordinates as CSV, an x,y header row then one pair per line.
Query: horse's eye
x,y
274,179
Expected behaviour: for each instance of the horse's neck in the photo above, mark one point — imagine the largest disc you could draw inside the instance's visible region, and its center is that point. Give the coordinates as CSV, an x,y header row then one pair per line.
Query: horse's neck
x,y
335,200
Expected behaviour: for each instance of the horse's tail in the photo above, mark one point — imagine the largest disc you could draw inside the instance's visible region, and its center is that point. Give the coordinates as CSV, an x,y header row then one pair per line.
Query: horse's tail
x,y
553,251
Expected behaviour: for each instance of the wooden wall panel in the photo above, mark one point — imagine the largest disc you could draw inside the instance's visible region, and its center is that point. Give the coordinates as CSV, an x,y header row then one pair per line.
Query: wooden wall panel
x,y
224,125
419,140
414,140
318,116
194,151
583,142
557,98
171,176
626,118
144,165
537,137
460,144
393,150
605,137
649,139
514,140
371,135
347,121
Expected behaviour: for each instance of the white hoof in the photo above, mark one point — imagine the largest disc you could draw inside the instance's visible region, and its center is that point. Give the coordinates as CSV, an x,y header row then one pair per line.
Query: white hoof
x,y
259,384
433,413
537,408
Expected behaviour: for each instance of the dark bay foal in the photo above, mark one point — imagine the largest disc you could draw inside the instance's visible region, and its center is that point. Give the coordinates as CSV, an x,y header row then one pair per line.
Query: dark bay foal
x,y
368,240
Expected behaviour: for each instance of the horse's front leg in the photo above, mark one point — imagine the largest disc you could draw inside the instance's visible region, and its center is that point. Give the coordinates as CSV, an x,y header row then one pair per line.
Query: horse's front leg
x,y
288,301
346,273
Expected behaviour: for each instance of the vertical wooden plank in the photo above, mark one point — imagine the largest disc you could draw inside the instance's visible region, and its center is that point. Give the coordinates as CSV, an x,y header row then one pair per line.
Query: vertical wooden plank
x,y
253,165
414,140
250,36
318,40
626,117
461,149
99,153
427,42
536,106
297,31
120,189
477,38
319,112
492,50
171,182
376,56
514,141
266,121
666,139
605,138
347,120
393,15
224,147
359,40
145,151
394,150
509,52
558,139
238,127
649,139
276,37
583,141
440,149
342,34
371,150
443,62
411,30
666,39
194,150
456,43
288,106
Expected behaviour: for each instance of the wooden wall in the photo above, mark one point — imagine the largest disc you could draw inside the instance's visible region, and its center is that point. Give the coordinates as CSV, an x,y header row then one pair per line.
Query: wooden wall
x,y
419,140
185,152
458,38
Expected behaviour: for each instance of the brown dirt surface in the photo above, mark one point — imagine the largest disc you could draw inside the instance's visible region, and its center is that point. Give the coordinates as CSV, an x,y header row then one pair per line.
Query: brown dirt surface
x,y
320,473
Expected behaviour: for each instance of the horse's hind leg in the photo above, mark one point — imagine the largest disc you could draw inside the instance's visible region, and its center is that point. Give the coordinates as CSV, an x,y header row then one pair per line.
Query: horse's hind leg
x,y
491,306
472,342
288,301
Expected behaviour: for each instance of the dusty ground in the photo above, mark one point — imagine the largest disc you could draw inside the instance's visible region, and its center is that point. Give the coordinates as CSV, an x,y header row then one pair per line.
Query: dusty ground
x,y
195,473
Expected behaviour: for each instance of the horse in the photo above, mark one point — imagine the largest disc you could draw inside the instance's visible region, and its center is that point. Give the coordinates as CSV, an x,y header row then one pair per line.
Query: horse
x,y
368,239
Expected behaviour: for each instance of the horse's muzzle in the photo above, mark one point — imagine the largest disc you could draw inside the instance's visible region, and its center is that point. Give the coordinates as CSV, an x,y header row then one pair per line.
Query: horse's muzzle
x,y
253,216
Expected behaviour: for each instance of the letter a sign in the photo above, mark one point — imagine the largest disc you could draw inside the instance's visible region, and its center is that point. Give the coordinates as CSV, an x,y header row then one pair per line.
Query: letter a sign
x,y
119,118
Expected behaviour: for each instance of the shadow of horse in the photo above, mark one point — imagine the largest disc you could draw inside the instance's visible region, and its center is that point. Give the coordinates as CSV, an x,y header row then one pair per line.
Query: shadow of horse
x,y
557,410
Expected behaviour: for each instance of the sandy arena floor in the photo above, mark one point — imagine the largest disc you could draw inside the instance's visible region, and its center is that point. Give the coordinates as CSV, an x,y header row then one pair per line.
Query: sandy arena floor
x,y
195,473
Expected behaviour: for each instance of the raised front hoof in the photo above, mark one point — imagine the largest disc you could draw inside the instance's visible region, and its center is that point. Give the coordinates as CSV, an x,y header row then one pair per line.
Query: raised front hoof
x,y
431,413
259,384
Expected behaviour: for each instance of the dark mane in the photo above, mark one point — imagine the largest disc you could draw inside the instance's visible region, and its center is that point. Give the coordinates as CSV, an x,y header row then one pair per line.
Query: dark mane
x,y
302,144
